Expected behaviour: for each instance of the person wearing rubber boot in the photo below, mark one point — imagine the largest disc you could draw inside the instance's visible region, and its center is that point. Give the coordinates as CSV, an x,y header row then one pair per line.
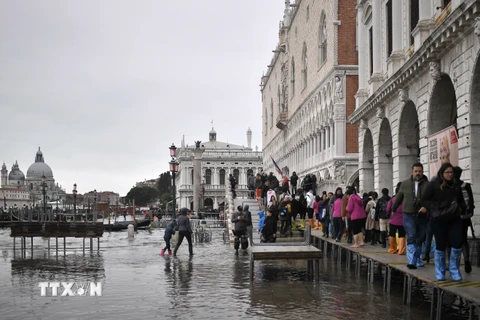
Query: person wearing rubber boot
x,y
169,232
240,232
466,216
310,201
414,213
396,224
442,193
184,231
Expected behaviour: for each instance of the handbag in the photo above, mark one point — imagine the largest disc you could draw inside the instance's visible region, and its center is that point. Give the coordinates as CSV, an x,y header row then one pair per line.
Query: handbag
x,y
446,211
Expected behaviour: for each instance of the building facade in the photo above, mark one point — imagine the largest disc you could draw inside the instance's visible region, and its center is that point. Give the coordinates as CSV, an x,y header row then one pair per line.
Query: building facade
x,y
308,93
219,160
418,75
18,190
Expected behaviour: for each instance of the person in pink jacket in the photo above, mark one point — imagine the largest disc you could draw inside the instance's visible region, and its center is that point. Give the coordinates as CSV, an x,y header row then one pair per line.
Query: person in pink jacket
x,y
358,217
396,224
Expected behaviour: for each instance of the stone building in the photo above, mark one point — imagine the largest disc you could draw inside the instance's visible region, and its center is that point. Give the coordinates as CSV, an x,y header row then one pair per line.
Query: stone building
x,y
16,189
419,73
308,91
219,160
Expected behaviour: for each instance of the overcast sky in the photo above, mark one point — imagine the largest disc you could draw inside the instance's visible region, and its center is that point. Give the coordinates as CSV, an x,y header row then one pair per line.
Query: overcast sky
x,y
105,87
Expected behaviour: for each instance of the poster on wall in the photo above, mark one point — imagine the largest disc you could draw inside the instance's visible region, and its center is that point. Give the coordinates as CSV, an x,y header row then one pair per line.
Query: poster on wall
x,y
442,147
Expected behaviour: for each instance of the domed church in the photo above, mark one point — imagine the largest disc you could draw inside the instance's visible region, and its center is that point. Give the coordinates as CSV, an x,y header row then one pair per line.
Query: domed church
x,y
16,186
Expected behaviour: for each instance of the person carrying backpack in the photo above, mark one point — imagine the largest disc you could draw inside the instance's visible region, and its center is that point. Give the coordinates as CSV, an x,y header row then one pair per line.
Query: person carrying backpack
x,y
371,225
383,216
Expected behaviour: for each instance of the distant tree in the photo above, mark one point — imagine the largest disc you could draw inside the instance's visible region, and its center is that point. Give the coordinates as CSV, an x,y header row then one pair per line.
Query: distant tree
x,y
165,198
142,195
164,183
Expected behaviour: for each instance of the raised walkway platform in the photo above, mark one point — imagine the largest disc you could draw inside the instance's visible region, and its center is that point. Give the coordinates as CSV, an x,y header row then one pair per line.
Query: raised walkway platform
x,y
379,261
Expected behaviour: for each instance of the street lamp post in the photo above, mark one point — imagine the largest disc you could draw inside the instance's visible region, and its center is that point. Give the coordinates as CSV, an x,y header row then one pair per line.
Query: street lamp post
x,y
174,169
44,192
95,206
74,191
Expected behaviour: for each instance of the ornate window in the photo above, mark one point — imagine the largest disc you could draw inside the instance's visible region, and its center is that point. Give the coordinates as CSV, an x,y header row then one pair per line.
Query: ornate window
x,y
293,77
236,174
304,66
279,100
271,113
389,10
322,40
414,16
265,122
191,176
222,177
208,176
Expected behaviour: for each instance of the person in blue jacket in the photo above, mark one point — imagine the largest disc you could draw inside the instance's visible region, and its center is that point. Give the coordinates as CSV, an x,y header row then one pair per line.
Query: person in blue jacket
x,y
169,232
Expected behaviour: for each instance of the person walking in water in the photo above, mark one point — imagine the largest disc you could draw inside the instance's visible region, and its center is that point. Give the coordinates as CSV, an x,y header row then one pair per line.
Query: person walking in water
x,y
169,232
184,231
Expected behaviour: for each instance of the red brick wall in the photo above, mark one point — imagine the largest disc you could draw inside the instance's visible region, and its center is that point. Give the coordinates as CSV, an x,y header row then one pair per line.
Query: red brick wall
x,y
352,130
347,14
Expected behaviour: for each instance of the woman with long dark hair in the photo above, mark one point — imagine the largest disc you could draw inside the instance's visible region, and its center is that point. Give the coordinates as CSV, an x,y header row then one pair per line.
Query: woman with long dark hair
x,y
338,224
442,193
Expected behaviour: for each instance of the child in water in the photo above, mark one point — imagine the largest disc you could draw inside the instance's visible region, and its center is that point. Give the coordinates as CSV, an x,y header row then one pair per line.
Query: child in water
x,y
169,232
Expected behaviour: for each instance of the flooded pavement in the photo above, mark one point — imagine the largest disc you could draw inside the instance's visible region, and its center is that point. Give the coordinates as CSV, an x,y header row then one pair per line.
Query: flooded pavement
x,y
214,284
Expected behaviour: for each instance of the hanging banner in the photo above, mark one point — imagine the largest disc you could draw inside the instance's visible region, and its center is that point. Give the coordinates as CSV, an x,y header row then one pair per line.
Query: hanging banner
x,y
442,147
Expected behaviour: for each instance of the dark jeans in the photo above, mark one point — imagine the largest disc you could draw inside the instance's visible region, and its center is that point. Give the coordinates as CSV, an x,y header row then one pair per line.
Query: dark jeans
x,y
167,244
310,213
447,230
185,234
283,226
338,226
416,228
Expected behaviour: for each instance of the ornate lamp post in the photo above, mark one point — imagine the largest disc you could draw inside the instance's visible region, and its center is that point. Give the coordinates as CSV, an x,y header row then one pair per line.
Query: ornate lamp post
x,y
174,169
95,205
44,192
74,192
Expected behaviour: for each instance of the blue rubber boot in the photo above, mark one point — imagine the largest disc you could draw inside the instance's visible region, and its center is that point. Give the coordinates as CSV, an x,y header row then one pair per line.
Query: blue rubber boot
x,y
454,266
418,259
440,265
412,260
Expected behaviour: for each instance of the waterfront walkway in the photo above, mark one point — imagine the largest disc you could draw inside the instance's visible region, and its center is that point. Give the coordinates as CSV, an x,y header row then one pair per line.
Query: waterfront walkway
x,y
379,262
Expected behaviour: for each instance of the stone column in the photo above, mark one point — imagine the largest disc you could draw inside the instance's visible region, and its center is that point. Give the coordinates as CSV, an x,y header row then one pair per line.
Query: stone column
x,y
362,57
340,129
377,78
332,148
397,56
197,179
425,24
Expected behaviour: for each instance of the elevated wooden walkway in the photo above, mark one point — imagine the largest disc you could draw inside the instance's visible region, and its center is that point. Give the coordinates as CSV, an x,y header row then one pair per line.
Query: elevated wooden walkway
x,y
379,261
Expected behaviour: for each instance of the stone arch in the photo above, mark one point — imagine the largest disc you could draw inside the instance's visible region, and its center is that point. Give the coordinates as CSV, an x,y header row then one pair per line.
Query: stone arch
x,y
208,203
354,179
474,114
442,111
385,159
408,140
367,167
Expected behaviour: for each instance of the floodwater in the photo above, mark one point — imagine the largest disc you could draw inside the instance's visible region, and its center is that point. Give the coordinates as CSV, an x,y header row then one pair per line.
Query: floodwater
x,y
214,284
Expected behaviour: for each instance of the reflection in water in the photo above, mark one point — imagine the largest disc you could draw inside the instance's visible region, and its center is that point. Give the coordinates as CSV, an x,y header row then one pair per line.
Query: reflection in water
x,y
213,284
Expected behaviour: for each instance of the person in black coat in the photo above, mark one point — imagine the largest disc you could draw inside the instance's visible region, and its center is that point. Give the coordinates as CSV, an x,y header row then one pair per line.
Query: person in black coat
x,y
439,194
184,231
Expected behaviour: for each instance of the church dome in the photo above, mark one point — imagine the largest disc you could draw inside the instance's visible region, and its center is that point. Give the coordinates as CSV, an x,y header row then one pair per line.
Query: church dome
x,y
16,173
39,168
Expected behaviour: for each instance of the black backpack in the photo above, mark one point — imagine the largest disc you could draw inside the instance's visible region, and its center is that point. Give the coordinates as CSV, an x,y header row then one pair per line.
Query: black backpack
x,y
381,209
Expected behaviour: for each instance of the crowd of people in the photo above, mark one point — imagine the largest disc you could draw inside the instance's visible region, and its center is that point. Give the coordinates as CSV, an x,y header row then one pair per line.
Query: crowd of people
x,y
419,211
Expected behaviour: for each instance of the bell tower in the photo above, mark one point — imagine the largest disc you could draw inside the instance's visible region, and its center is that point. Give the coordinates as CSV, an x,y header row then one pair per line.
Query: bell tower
x,y
4,175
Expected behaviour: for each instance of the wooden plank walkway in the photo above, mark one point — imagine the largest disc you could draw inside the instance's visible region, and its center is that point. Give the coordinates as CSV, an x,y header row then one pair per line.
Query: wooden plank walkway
x,y
291,252
468,289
